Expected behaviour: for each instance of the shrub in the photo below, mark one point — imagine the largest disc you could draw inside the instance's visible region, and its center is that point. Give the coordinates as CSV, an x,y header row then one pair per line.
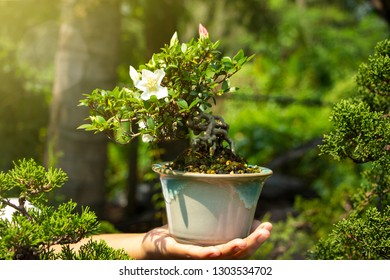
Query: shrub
x,y
35,228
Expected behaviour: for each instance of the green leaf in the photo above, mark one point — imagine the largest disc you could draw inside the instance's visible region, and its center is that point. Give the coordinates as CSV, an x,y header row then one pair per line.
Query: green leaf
x,y
225,86
210,72
193,103
227,62
240,55
150,123
100,119
86,126
182,104
153,98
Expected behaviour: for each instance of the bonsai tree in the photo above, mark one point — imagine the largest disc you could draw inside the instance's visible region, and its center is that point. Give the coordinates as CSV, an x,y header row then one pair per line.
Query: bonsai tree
x,y
170,99
35,228
362,133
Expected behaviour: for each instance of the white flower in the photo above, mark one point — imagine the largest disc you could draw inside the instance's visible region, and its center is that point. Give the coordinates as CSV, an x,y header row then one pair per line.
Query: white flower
x,y
150,84
147,138
142,125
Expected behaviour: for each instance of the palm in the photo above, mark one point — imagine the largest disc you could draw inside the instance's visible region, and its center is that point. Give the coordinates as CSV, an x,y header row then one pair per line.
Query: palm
x,y
159,243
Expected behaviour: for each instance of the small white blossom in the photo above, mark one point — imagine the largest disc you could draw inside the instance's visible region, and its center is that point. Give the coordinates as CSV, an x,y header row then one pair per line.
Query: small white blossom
x,y
183,48
150,84
146,138
142,125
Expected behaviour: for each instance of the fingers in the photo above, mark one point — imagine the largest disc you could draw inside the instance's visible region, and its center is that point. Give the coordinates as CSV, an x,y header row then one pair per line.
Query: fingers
x,y
237,248
255,225
230,249
176,250
244,248
255,240
267,226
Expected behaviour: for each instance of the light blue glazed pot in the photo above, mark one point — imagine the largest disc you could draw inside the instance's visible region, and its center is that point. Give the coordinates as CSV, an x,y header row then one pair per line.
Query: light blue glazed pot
x,y
210,209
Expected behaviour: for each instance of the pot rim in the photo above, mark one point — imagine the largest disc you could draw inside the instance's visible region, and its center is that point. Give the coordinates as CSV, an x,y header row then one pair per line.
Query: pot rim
x,y
160,168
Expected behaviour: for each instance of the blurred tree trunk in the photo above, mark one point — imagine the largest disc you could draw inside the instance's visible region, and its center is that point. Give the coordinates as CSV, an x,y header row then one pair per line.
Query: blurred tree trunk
x,y
159,28
87,58
161,21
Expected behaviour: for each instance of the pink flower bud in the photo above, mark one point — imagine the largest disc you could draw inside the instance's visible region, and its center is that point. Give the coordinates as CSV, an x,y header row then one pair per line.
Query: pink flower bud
x,y
203,33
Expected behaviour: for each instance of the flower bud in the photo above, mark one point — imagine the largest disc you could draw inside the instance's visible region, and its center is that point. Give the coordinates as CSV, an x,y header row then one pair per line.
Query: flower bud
x,y
203,33
174,39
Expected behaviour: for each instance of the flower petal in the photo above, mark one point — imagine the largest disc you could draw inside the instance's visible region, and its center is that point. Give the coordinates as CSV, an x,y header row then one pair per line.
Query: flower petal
x,y
146,95
162,92
134,75
147,138
142,85
142,125
159,75
147,74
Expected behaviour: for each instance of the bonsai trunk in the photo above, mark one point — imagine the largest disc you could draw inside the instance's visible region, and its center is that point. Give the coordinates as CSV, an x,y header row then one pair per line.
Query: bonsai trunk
x,y
211,151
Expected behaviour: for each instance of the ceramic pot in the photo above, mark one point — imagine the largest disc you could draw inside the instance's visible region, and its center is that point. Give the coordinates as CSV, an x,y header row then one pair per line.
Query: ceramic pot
x,y
210,209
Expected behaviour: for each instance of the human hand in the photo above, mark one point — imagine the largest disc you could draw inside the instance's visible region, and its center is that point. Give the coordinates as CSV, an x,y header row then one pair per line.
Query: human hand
x,y
159,244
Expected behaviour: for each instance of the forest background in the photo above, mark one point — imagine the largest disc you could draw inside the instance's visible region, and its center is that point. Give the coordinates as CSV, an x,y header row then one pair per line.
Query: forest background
x,y
307,56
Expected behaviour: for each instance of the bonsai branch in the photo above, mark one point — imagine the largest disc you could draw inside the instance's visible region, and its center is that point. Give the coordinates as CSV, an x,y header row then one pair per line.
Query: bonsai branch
x,y
21,207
